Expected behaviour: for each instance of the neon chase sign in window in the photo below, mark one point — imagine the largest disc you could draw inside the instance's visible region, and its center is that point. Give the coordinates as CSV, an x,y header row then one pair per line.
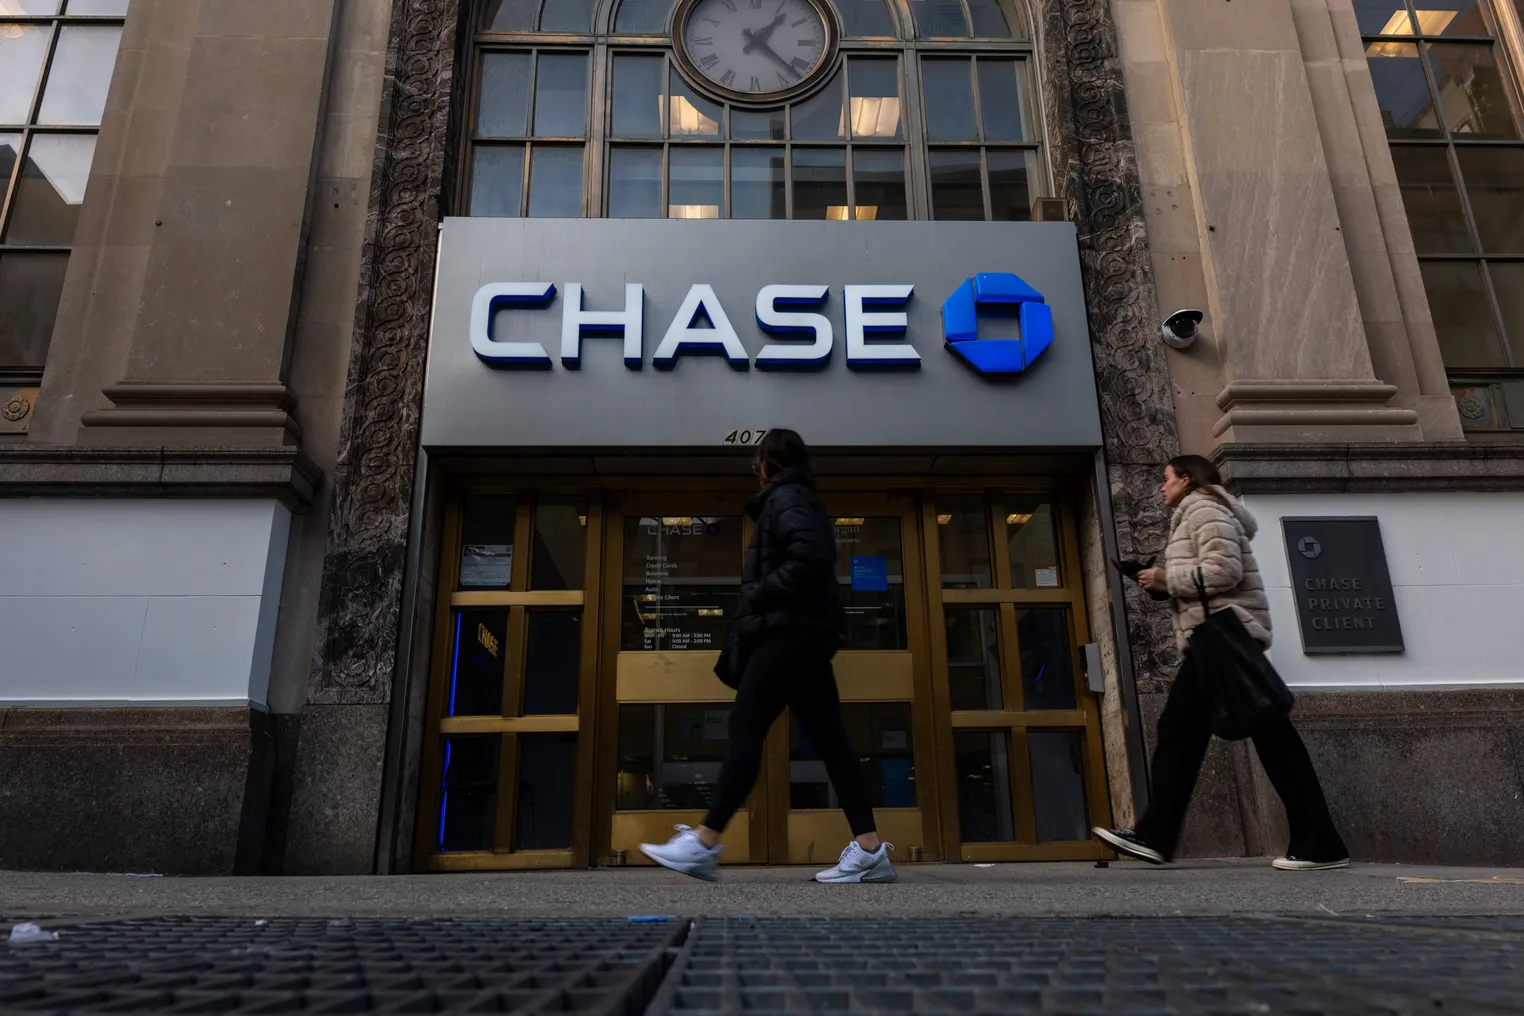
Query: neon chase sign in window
x,y
874,317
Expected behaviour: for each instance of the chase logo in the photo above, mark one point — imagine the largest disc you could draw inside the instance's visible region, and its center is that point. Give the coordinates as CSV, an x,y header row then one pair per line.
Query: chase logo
x,y
1004,293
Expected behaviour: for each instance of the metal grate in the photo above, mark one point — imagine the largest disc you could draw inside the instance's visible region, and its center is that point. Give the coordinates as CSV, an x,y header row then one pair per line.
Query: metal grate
x,y
1139,966
176,965
1144,966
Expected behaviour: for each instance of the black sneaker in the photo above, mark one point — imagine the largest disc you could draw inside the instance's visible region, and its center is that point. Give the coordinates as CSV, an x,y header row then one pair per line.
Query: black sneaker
x,y
1126,841
1293,863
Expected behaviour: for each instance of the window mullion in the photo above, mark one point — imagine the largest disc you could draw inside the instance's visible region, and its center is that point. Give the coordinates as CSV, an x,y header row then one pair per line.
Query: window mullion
x,y
44,72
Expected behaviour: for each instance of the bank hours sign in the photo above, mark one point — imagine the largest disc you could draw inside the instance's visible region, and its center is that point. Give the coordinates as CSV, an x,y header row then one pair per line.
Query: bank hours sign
x,y
1341,584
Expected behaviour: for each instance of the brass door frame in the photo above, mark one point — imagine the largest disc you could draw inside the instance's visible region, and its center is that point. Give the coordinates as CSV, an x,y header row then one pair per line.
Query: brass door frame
x,y
933,721
650,499
1018,721
518,599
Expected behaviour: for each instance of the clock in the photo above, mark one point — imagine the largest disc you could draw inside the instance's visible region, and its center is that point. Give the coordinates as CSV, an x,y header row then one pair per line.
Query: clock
x,y
756,52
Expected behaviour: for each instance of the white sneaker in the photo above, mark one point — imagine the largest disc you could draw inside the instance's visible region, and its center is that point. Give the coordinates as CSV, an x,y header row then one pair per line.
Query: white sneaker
x,y
1290,863
858,865
686,853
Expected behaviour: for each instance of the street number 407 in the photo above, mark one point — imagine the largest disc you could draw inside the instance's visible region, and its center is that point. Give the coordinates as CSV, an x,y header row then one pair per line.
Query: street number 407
x,y
745,438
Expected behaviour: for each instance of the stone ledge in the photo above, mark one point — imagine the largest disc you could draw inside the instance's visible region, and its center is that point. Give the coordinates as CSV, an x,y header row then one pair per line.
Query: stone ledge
x,y
1253,468
281,472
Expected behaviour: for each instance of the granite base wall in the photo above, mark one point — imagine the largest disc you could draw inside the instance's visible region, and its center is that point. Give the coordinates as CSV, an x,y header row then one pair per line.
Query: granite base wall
x,y
182,791
1416,777
336,790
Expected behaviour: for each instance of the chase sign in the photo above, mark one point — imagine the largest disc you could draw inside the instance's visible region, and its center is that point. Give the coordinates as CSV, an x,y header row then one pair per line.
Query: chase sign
x,y
874,319
629,333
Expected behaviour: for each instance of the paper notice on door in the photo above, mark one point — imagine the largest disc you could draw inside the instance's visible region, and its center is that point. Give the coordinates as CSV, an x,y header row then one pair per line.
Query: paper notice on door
x,y
488,565
1047,578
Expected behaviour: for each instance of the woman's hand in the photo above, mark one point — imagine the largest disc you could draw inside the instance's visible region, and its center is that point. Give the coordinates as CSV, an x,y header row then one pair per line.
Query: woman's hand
x,y
1153,578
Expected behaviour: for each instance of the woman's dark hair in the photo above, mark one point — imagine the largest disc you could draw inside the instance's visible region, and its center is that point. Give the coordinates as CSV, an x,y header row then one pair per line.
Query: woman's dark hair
x,y
780,449
1196,468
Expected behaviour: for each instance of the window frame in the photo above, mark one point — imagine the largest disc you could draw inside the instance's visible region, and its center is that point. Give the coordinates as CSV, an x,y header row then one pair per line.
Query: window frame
x,y
29,130
603,45
1452,144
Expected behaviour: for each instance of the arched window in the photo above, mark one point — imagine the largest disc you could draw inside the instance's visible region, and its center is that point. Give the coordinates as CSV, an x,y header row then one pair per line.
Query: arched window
x,y
924,109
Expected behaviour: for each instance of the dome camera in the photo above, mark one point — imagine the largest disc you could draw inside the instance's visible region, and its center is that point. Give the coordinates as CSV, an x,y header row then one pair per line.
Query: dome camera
x,y
1179,329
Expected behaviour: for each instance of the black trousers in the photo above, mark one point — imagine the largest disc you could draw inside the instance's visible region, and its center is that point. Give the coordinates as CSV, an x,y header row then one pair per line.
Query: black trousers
x,y
1184,732
790,669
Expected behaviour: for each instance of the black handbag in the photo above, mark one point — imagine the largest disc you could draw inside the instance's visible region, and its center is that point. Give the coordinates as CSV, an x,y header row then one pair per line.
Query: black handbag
x,y
1244,689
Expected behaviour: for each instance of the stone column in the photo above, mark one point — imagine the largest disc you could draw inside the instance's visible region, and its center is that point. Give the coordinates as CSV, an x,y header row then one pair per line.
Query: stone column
x,y
1393,308
1295,358
218,161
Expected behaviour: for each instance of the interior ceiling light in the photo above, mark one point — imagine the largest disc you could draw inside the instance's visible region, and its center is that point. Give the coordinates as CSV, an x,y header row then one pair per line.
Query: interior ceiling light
x,y
693,211
1429,23
850,521
688,118
1018,519
872,117
943,520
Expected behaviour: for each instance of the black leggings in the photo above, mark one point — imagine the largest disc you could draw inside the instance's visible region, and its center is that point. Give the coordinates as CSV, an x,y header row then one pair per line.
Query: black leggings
x,y
790,669
1184,732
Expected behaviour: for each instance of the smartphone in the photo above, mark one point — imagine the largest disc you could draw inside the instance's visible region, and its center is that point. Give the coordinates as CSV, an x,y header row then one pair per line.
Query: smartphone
x,y
1131,568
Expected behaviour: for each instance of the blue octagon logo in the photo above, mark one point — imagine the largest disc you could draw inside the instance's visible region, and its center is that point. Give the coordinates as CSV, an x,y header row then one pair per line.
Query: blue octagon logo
x,y
1008,293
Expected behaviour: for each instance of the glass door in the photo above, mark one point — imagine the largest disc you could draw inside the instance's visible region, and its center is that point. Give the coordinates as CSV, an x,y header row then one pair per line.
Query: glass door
x,y
882,672
1021,763
675,567
515,666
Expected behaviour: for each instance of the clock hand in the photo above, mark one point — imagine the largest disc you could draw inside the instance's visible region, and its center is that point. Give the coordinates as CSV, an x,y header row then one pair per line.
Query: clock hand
x,y
764,47
763,34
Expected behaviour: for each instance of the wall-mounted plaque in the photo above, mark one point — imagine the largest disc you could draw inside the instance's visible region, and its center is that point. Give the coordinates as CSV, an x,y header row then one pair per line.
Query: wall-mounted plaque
x,y
1343,589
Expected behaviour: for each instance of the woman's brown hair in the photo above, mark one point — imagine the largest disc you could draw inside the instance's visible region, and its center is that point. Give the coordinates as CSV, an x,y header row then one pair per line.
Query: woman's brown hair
x,y
1196,468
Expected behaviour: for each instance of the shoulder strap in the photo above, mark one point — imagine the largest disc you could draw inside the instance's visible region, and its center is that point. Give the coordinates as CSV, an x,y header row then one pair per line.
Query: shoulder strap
x,y
1201,592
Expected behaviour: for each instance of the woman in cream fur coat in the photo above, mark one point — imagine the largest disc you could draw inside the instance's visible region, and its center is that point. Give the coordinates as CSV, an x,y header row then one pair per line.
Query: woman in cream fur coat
x,y
1210,533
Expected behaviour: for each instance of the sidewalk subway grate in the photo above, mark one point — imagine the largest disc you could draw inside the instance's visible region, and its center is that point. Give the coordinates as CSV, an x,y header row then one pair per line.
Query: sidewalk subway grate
x,y
179,965
1180,966
965,965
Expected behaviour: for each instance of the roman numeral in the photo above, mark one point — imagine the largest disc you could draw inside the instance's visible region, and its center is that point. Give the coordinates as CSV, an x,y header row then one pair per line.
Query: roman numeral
x,y
729,77
756,5
707,40
806,42
709,61
756,83
799,65
801,21
782,80
730,5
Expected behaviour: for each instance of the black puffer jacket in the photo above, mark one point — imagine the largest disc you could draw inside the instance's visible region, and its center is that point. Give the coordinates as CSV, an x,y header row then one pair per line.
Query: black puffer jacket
x,y
789,578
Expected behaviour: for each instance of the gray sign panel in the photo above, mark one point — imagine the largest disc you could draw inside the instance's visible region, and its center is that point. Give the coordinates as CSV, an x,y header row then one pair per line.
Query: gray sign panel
x,y
557,380
1342,587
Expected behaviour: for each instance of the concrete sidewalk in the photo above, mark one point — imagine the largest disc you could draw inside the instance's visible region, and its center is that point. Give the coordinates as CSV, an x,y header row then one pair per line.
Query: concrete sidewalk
x,y
1194,888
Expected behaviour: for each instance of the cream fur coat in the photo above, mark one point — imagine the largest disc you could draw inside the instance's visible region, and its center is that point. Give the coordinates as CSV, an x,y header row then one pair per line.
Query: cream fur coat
x,y
1211,530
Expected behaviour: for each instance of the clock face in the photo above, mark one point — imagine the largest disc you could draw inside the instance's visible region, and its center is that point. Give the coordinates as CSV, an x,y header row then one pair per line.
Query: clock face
x,y
756,48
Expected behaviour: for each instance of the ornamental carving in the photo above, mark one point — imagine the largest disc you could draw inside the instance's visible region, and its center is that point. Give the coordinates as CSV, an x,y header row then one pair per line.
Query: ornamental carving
x,y
359,607
1095,165
16,408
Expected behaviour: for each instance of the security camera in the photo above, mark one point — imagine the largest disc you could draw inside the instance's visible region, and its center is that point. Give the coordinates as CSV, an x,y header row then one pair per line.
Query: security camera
x,y
1179,329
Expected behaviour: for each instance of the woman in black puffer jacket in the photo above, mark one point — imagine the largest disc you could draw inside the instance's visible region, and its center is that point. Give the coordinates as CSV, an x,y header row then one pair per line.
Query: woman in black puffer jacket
x,y
786,629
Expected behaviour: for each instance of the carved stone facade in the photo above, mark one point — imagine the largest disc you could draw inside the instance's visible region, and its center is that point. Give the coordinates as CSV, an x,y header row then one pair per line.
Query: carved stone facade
x,y
356,645
1095,161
